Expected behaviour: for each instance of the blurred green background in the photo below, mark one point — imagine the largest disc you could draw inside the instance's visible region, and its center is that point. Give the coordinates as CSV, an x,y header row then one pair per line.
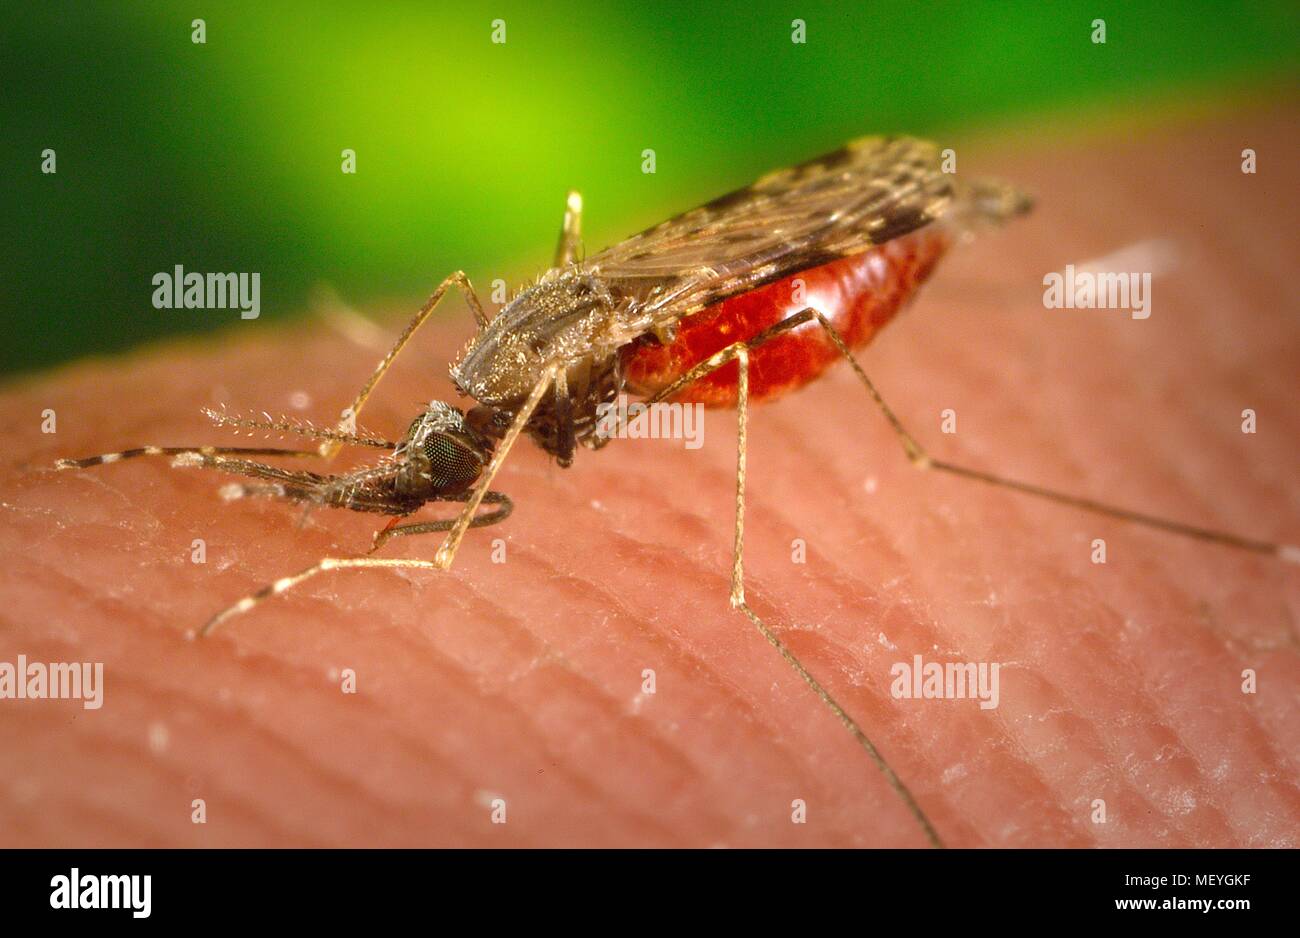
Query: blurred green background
x,y
225,156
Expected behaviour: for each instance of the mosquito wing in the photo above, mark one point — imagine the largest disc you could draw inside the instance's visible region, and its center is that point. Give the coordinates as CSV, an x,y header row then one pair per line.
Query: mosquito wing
x,y
864,194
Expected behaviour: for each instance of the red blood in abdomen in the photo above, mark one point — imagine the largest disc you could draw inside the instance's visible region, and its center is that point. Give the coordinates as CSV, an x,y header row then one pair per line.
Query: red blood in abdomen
x,y
858,294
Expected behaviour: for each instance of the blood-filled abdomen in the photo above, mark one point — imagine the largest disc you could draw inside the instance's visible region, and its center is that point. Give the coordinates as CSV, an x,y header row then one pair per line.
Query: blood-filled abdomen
x,y
857,294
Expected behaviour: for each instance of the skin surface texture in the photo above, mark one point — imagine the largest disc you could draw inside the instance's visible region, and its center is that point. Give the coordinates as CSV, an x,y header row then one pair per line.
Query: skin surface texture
x,y
523,681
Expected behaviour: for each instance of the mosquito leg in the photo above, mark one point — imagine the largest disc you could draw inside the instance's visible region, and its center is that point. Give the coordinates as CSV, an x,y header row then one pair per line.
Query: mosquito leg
x,y
566,252
447,552
742,451
393,529
921,460
458,279
740,353
565,442
284,584
180,452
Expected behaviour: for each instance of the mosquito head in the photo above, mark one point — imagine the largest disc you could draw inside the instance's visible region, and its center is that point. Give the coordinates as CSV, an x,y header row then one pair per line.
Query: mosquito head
x,y
440,454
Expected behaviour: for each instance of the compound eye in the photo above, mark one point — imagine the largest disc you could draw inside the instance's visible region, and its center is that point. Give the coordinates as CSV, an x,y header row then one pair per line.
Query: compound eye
x,y
450,461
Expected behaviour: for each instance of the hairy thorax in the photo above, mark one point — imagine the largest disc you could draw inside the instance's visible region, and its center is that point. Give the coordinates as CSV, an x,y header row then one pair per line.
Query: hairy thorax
x,y
560,318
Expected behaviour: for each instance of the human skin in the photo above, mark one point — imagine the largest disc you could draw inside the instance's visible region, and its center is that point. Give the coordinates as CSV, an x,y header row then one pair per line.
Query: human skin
x,y
523,680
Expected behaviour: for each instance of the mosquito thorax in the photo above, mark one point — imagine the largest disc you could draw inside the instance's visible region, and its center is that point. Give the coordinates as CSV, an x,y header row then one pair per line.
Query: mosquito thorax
x,y
560,317
440,453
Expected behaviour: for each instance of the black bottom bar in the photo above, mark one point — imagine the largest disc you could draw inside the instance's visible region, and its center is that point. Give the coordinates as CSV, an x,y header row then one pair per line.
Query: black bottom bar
x,y
548,889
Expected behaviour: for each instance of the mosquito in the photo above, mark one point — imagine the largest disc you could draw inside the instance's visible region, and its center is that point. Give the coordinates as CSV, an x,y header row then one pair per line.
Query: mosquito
x,y
710,306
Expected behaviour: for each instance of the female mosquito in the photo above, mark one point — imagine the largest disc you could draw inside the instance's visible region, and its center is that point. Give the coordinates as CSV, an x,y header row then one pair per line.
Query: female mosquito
x,y
709,306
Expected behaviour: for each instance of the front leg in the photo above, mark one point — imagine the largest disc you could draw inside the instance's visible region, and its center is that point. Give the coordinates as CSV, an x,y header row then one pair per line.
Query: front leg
x,y
495,516
347,424
565,436
447,552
